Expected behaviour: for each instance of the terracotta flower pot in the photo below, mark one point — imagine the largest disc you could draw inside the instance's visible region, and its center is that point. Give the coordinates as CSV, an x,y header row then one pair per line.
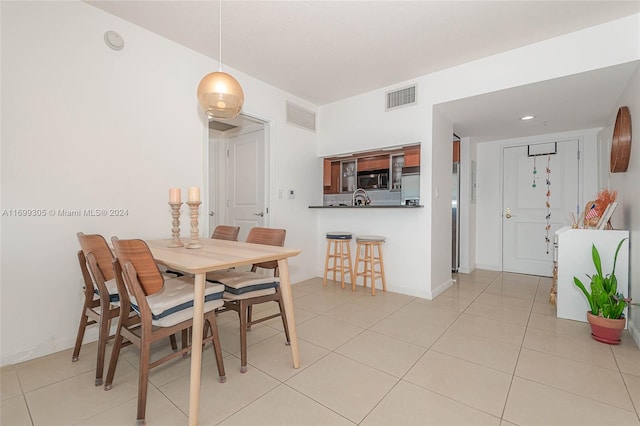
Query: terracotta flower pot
x,y
606,330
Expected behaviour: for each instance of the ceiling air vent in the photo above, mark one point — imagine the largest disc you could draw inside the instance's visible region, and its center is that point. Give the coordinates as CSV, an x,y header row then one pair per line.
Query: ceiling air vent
x,y
220,126
301,117
401,98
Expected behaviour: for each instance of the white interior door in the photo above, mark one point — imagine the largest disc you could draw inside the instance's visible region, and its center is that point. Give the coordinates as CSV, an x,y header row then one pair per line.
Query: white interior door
x,y
246,182
536,204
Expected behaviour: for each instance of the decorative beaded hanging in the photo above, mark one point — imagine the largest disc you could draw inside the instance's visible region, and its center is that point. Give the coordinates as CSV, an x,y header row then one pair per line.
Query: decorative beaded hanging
x,y
548,204
535,172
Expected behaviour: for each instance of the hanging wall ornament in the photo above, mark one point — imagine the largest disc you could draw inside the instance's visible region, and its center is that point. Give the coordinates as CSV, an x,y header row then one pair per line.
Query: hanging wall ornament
x,y
548,204
535,172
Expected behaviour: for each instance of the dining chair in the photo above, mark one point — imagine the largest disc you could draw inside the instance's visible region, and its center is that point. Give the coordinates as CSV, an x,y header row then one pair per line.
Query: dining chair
x,y
226,232
221,232
101,299
243,289
164,307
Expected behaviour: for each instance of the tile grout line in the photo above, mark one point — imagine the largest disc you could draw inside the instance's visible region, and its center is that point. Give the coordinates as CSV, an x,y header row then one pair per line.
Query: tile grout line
x,y
515,367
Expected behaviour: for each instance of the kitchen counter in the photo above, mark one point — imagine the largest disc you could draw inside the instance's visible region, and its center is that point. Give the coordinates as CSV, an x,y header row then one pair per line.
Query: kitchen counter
x,y
381,206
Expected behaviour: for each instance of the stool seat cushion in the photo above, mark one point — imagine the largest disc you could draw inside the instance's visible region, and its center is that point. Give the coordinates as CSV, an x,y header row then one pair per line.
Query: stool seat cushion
x,y
243,285
338,235
370,238
174,302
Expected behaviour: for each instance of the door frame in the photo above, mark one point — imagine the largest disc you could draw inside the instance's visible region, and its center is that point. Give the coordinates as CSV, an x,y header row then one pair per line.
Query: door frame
x,y
581,202
216,158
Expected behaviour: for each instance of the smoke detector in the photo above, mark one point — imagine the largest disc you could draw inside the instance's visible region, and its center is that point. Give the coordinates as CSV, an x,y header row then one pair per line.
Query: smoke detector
x,y
114,40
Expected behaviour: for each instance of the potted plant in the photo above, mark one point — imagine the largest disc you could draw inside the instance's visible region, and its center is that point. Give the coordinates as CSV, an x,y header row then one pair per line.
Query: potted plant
x,y
606,316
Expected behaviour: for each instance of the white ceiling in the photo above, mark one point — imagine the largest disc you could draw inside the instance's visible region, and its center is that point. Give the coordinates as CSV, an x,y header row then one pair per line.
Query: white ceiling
x,y
581,101
324,51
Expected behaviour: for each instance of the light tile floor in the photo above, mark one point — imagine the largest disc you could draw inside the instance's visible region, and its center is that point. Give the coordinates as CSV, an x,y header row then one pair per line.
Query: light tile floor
x,y
488,351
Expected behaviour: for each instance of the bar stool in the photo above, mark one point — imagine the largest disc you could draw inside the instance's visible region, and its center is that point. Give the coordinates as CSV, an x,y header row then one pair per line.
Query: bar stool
x,y
338,249
365,253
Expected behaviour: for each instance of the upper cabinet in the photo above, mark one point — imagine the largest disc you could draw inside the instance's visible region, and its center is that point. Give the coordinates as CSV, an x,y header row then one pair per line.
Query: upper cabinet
x,y
348,176
397,163
376,162
326,173
412,156
331,177
340,173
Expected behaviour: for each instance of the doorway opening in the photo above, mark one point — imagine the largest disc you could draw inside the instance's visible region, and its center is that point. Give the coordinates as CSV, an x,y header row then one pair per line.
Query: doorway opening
x,y
237,174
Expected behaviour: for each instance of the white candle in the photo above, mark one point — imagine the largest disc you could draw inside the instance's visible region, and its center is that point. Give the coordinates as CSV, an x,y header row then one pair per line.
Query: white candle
x,y
194,193
174,195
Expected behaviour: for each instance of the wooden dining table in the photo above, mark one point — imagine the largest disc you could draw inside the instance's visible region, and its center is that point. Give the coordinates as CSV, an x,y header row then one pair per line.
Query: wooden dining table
x,y
216,255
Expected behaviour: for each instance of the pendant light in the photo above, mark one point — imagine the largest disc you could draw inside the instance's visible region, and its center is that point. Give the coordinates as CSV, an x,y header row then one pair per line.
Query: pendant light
x,y
219,94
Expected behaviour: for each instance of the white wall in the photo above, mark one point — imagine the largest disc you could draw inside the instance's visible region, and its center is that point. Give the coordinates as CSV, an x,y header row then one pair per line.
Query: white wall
x,y
467,210
626,215
489,204
360,123
84,127
441,187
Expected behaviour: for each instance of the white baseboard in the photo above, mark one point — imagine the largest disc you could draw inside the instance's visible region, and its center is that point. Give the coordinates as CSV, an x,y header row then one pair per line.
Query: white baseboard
x,y
441,288
635,332
489,267
91,335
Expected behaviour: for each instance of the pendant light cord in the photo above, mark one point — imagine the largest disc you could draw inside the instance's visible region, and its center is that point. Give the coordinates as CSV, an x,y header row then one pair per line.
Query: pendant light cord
x,y
220,36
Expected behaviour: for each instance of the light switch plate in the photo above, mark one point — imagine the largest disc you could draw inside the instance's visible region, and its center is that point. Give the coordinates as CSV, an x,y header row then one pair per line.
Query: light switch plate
x,y
291,194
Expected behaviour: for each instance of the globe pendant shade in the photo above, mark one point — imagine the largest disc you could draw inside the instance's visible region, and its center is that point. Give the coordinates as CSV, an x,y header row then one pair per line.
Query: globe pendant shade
x,y
220,95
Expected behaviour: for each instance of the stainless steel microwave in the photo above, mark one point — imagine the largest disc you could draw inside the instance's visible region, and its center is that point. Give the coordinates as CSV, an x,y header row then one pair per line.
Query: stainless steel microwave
x,y
375,179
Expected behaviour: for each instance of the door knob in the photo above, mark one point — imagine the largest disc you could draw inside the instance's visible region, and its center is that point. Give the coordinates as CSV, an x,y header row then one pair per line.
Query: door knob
x,y
211,213
261,214
508,214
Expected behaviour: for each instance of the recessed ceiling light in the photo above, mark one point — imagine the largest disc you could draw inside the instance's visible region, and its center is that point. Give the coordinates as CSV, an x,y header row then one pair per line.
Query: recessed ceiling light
x,y
527,117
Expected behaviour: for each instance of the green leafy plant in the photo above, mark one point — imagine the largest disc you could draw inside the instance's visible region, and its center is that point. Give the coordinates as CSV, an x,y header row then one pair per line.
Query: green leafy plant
x,y
604,299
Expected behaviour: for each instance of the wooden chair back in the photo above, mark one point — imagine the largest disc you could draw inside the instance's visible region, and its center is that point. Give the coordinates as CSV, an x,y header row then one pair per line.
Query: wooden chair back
x,y
129,278
267,236
225,232
96,244
137,253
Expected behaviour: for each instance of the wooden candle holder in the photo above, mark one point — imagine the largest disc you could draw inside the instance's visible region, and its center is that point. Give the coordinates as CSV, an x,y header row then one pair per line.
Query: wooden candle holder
x,y
193,209
175,230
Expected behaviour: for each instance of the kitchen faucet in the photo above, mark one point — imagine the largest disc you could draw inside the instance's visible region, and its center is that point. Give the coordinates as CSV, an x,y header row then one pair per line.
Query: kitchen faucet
x,y
362,197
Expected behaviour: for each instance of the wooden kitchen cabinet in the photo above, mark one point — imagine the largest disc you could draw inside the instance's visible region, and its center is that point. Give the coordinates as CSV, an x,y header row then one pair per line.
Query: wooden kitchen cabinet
x,y
412,156
378,162
340,171
326,173
333,175
330,176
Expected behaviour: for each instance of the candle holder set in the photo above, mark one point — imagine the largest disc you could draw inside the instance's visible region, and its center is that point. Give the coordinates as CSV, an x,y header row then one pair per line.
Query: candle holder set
x,y
194,205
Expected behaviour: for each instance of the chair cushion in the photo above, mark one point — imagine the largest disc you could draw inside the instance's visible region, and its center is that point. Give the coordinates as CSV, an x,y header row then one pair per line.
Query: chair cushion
x,y
112,288
244,285
174,302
